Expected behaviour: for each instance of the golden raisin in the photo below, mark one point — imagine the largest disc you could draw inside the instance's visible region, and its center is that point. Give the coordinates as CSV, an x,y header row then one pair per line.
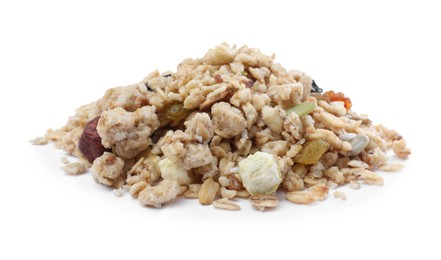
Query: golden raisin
x,y
312,151
176,111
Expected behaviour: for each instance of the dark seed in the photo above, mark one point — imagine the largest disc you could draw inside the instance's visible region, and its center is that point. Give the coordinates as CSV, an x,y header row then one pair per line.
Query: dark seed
x,y
249,83
148,87
316,88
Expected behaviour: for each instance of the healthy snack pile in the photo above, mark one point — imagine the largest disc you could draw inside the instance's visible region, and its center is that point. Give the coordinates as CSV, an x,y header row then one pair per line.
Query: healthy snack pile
x,y
231,124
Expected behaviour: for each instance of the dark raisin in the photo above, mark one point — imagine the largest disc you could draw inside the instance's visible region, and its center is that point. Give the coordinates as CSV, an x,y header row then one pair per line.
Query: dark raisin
x,y
315,88
90,141
249,83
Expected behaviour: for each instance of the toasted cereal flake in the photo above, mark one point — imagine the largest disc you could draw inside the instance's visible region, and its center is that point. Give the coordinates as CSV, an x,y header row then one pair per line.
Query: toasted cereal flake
x,y
355,185
136,188
400,149
74,168
339,195
301,197
263,201
315,193
243,194
226,193
332,184
39,140
183,189
188,194
225,203
371,178
195,187
234,170
164,192
391,167
358,164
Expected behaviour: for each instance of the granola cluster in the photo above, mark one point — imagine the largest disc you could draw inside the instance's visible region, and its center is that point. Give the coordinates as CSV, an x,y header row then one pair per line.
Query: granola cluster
x,y
233,124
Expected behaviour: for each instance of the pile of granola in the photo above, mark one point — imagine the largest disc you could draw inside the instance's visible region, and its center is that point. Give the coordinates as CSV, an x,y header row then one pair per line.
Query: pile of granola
x,y
233,124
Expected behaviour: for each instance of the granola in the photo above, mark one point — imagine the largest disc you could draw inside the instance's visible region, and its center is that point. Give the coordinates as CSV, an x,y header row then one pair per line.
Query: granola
x,y
232,124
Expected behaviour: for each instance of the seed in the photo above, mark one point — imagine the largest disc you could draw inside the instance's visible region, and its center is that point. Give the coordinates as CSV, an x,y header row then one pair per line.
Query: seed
x,y
315,88
359,142
208,191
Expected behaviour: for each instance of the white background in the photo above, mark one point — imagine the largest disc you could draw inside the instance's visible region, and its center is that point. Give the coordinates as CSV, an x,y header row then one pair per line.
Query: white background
x,y
56,56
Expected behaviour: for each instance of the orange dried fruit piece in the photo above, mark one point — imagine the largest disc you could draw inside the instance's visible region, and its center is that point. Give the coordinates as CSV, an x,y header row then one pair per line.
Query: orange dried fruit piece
x,y
331,96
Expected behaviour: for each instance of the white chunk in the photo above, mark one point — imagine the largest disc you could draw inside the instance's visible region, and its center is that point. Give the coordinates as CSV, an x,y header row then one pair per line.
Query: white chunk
x,y
170,170
260,173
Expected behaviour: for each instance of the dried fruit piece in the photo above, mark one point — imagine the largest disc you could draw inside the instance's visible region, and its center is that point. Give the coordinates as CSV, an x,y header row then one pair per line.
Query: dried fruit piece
x,y
302,109
260,173
312,151
176,111
332,96
90,142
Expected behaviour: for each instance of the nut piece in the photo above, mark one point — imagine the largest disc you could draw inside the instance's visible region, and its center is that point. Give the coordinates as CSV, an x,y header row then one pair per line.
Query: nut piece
x,y
225,204
162,193
107,170
358,143
261,202
90,141
208,191
260,173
